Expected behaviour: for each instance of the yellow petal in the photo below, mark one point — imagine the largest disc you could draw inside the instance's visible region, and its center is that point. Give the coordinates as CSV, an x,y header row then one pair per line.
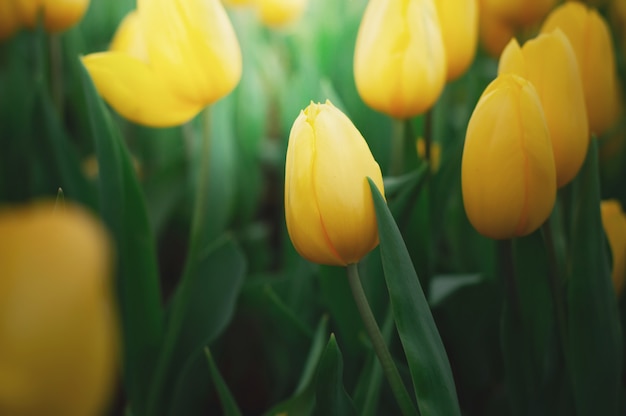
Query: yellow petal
x,y
494,32
136,92
519,12
614,224
280,12
589,36
508,173
58,333
192,46
549,63
129,38
399,60
10,20
59,15
459,27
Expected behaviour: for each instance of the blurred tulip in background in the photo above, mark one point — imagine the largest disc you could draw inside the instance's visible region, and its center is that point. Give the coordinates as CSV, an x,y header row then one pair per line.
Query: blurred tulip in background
x,y
280,12
459,27
614,223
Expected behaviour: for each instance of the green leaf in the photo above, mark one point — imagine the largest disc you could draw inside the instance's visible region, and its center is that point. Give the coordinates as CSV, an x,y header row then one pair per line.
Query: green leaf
x,y
594,334
137,282
201,308
229,405
428,364
331,397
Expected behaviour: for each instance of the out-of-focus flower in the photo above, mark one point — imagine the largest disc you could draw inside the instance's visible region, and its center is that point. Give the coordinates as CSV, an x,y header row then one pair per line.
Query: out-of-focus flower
x,y
520,13
399,58
328,204
280,12
190,58
549,63
238,2
494,32
508,174
58,15
58,331
9,19
617,12
435,153
614,224
459,27
589,35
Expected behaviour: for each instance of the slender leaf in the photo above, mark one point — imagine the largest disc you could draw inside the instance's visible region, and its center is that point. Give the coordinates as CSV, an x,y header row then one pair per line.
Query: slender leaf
x,y
331,397
137,282
594,334
229,405
428,363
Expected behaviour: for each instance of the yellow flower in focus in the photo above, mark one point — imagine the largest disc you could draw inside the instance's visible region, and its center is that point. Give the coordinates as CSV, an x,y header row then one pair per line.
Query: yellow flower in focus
x,y
521,13
614,224
508,175
549,63
399,58
58,332
169,60
459,27
589,35
58,15
328,203
280,12
435,153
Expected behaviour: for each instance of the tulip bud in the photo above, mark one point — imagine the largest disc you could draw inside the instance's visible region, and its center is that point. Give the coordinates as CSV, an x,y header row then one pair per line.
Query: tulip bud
x,y
280,12
614,224
508,175
520,12
190,58
328,203
589,35
459,27
9,19
58,330
58,15
549,63
495,33
399,57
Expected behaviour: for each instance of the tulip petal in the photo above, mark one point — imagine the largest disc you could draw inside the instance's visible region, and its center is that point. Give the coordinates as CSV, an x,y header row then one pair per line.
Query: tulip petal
x,y
302,214
136,92
129,37
341,186
193,46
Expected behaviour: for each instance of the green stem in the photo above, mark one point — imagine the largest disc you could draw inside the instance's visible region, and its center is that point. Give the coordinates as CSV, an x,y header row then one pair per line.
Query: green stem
x,y
56,73
396,166
199,211
378,342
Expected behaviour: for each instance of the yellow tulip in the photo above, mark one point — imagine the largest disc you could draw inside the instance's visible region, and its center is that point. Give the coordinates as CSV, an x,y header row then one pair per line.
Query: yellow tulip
x,y
238,2
169,60
58,15
494,33
508,175
58,332
9,19
459,27
435,153
328,204
399,58
280,12
589,35
614,224
549,63
520,12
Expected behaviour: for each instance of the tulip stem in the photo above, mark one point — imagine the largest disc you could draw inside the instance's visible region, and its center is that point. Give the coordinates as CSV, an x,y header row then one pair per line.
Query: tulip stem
x,y
397,147
378,342
56,72
199,210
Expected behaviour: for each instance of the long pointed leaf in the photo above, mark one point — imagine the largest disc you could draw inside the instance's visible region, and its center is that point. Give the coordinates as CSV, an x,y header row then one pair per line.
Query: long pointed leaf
x,y
229,405
426,355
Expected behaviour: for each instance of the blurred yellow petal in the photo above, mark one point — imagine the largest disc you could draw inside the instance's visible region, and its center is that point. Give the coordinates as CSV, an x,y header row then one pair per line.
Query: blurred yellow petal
x,y
135,91
399,60
614,224
280,12
519,12
10,20
508,174
591,40
459,27
58,15
192,46
494,32
549,63
129,37
58,331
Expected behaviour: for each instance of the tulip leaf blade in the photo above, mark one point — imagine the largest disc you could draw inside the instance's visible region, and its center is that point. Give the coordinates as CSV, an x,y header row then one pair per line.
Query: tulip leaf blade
x,y
594,334
331,397
137,281
426,356
229,405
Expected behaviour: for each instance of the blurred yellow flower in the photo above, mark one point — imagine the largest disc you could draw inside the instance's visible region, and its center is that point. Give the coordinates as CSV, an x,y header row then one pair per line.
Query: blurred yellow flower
x,y
521,13
9,18
590,37
614,224
58,331
170,59
58,15
494,32
238,2
435,153
328,204
549,63
459,27
399,58
508,175
280,12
